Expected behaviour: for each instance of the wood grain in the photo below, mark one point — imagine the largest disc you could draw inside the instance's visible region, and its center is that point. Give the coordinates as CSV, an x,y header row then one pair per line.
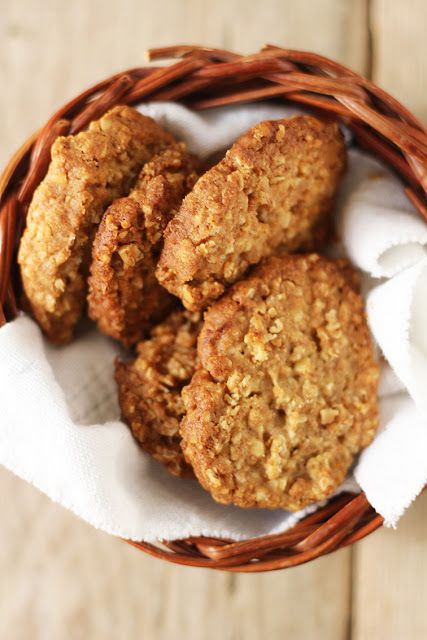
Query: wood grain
x,y
390,580
61,579
399,51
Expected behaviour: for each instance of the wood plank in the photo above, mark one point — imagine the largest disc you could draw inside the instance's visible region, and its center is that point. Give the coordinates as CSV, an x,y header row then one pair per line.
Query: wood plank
x,y
59,577
390,573
335,29
399,50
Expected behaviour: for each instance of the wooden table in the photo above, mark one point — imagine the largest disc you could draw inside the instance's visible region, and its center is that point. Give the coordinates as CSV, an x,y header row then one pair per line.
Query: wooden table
x,y
59,578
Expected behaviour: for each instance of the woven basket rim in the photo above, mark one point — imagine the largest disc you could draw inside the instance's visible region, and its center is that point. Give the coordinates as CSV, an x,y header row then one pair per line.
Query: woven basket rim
x,y
206,77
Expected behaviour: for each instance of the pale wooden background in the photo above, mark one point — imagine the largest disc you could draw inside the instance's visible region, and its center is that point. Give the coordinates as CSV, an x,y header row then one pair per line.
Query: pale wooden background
x,y
59,578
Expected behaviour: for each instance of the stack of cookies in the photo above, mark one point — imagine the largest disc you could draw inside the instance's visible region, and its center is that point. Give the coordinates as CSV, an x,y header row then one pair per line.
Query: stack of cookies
x,y
250,361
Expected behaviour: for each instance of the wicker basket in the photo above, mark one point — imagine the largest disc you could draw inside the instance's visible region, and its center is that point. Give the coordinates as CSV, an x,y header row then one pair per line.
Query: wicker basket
x,y
204,78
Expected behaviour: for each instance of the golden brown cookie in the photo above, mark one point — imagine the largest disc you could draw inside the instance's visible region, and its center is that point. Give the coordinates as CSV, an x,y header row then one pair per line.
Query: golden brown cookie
x,y
274,183
124,294
316,239
285,394
87,172
150,388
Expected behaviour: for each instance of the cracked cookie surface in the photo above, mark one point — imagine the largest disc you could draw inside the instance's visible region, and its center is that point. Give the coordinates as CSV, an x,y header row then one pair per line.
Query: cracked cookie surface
x,y
86,173
150,387
285,394
275,182
124,294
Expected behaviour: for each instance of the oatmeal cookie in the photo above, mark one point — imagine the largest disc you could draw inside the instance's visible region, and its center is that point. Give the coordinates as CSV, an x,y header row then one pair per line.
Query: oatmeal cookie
x,y
285,394
87,172
150,388
124,294
315,239
274,183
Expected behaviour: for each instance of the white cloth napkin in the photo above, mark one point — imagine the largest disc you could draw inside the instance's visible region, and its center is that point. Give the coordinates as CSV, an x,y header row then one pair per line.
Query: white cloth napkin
x,y
59,420
386,238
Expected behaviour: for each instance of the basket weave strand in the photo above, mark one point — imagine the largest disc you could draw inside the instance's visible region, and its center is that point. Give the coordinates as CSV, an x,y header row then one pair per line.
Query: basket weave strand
x,y
206,77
